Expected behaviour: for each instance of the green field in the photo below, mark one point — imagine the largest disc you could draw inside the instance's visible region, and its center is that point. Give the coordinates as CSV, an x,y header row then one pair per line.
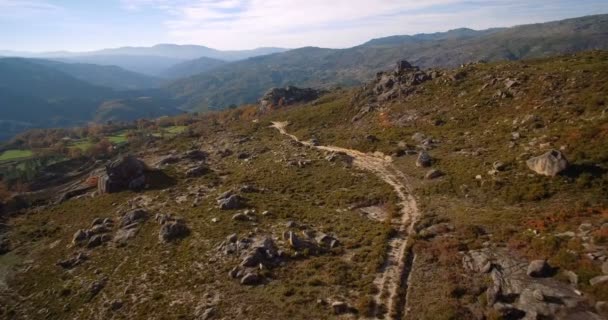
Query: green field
x,y
15,154
118,138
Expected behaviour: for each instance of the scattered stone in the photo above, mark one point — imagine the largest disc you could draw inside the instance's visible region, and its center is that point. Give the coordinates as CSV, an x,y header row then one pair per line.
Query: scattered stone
x,y
96,287
97,240
572,277
241,217
605,267
80,236
208,314
173,230
433,174
243,156
499,166
97,221
197,171
134,217
116,305
251,279
249,189
232,238
548,164
598,280
196,155
424,160
233,202
436,230
73,261
339,307
123,235
538,269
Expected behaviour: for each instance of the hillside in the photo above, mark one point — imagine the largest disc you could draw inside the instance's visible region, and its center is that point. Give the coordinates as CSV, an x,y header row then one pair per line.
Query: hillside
x,y
150,65
104,76
34,94
134,108
245,81
191,67
475,192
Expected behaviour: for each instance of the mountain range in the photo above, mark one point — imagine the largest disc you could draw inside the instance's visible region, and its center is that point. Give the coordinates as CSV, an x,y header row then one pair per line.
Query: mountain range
x,y
66,88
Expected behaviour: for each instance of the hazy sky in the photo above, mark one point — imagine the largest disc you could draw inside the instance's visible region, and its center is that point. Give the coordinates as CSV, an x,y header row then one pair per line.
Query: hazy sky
x,y
78,25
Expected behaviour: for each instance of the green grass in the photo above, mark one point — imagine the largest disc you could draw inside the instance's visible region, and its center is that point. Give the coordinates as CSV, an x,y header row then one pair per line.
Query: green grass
x,y
175,129
118,138
15,154
83,144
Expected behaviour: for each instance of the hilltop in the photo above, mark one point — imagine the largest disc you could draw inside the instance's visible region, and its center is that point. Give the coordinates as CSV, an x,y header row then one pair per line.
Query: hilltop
x,y
244,81
415,196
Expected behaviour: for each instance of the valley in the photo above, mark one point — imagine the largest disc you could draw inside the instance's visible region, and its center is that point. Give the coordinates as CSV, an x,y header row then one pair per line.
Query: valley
x,y
352,160
387,201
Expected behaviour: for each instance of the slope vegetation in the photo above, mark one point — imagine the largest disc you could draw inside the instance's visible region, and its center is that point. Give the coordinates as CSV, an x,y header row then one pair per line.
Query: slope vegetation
x,y
245,81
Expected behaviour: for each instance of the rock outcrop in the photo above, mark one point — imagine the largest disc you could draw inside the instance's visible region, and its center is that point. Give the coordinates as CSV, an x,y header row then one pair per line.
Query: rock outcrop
x,y
124,173
548,164
525,289
280,97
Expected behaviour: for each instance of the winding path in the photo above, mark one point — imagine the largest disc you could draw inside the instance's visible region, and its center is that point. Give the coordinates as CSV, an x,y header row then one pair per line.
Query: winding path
x,y
394,275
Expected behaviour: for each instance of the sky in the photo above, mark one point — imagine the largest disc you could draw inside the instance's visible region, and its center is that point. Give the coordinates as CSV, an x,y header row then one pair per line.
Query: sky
x,y
86,25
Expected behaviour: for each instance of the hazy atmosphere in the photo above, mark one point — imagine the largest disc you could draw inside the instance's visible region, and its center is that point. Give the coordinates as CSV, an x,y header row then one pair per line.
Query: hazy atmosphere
x,y
39,25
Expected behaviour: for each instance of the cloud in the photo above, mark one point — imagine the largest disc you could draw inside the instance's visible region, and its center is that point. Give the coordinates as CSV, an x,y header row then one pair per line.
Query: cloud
x,y
238,24
20,9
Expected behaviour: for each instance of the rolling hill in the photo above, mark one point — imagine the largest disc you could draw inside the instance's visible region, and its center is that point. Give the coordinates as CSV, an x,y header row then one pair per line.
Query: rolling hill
x,y
36,95
106,76
191,68
245,81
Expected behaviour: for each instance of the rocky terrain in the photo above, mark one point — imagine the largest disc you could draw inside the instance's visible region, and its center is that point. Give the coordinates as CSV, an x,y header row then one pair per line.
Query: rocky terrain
x,y
478,192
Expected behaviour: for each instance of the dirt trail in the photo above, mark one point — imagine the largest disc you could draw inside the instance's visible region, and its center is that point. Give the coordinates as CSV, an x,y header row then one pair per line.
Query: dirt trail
x,y
395,273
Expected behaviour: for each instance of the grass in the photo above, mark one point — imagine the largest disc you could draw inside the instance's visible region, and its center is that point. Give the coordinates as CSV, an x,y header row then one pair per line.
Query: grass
x,y
15,155
499,208
118,138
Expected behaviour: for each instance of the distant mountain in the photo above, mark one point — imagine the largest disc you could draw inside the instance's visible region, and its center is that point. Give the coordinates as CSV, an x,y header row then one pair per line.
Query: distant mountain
x,y
147,65
151,61
455,34
185,52
245,81
106,76
191,67
33,94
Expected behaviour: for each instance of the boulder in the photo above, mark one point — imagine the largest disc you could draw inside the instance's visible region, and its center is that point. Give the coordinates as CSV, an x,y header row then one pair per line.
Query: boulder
x,y
548,164
97,240
134,216
232,202
538,269
339,307
197,171
124,173
173,230
433,174
424,160
195,154
598,280
80,236
280,97
73,261
251,279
